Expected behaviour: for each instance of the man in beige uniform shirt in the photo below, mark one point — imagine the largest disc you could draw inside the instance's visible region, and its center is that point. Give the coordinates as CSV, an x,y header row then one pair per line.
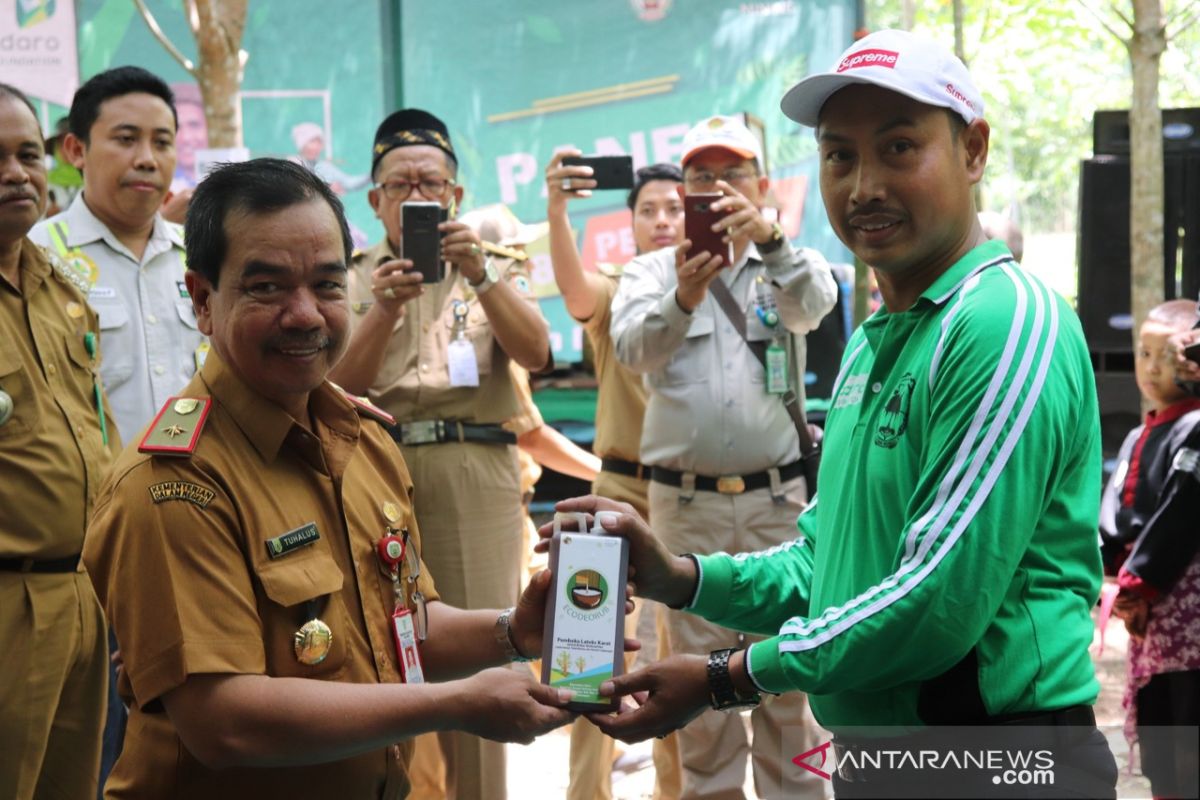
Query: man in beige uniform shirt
x,y
620,406
723,452
55,445
409,354
257,549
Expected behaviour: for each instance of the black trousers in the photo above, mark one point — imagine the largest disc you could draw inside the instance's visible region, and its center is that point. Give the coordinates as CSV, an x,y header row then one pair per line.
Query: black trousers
x,y
1169,759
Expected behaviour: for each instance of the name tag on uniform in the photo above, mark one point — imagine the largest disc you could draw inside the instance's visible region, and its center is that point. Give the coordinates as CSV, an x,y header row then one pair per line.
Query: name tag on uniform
x,y
292,540
460,358
102,292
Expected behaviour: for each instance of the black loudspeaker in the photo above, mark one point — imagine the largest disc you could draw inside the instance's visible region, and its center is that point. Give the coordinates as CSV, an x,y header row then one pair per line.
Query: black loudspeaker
x,y
1181,131
1120,411
1103,247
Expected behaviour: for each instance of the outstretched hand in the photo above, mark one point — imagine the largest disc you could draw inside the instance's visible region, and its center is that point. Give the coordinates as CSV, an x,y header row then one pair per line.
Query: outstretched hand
x,y
507,705
653,571
666,696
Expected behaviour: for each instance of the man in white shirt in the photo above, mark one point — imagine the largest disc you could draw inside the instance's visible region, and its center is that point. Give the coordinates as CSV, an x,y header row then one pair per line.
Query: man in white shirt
x,y
122,137
726,470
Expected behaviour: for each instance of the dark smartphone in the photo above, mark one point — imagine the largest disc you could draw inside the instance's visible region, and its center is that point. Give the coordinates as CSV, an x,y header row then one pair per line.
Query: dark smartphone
x,y
1192,352
609,172
698,219
422,242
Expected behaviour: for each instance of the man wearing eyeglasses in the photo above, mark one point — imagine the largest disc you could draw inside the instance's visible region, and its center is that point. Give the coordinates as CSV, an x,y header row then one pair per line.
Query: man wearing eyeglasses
x,y
435,356
726,473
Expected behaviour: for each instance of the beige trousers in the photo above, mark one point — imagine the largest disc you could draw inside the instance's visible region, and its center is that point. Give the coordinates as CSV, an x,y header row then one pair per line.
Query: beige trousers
x,y
54,686
592,751
467,499
714,746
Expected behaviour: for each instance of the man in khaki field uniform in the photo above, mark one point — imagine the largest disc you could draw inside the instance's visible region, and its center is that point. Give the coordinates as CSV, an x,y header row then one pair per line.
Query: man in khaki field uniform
x,y
620,406
257,547
435,356
53,456
723,452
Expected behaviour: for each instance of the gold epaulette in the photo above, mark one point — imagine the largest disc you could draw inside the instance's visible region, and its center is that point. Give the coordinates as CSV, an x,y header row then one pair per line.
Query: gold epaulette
x,y
65,272
176,429
506,252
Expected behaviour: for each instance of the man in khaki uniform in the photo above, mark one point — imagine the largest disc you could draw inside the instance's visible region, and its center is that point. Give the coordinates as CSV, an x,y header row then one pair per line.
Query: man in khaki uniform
x,y
409,354
620,406
723,451
53,454
257,550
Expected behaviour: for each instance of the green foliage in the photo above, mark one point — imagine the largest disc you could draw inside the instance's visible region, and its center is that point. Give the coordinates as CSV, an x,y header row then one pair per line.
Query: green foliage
x,y
1044,69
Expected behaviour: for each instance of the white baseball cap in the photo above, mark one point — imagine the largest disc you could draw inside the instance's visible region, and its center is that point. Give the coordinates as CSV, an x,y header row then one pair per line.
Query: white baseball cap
x,y
897,60
727,133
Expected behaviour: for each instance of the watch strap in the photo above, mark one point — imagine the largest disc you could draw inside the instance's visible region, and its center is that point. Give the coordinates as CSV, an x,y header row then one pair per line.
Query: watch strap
x,y
774,243
491,277
503,633
723,695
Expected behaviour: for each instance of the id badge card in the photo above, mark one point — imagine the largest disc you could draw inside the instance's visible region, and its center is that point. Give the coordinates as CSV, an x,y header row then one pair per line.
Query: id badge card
x,y
407,655
777,369
460,357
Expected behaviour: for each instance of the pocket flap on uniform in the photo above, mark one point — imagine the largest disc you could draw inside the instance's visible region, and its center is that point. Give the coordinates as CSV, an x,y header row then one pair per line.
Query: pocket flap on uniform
x,y
187,314
112,315
290,582
10,362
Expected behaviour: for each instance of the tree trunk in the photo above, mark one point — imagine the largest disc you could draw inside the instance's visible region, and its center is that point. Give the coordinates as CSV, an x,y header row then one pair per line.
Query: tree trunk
x,y
959,47
909,14
219,71
1146,161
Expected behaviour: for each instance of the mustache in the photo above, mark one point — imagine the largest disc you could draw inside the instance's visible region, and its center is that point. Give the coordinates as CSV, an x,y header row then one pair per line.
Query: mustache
x,y
871,210
319,341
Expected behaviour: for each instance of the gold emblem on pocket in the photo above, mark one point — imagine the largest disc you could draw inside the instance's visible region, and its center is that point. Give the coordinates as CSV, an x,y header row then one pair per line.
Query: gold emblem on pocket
x,y
313,642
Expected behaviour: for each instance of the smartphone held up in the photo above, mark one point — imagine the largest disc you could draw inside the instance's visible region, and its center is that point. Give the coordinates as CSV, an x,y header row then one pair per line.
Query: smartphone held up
x,y
698,221
609,172
422,241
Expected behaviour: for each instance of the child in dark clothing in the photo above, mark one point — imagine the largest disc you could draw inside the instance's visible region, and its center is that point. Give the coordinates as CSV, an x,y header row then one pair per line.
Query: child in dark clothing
x,y
1150,533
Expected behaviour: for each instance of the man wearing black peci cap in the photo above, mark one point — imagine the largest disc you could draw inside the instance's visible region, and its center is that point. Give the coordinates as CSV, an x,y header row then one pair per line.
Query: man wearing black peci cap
x,y
435,356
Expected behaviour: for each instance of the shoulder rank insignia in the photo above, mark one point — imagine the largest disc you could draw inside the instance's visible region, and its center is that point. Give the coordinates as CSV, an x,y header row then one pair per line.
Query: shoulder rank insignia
x,y
66,272
505,252
366,408
176,429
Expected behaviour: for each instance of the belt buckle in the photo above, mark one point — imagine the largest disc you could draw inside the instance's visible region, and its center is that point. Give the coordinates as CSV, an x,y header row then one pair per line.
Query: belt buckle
x,y
424,432
731,484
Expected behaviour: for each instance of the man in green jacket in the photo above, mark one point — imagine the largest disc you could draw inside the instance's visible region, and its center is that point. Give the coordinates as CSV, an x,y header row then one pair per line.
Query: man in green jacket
x,y
945,573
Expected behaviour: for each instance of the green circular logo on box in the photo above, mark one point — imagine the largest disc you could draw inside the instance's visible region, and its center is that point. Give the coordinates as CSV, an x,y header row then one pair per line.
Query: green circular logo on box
x,y
587,590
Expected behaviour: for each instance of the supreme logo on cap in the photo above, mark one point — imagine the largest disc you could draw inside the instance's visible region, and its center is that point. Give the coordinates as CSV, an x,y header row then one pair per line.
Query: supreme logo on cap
x,y
960,97
869,58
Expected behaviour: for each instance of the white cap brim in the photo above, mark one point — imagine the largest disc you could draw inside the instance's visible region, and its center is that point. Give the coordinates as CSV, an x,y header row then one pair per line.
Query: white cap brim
x,y
804,101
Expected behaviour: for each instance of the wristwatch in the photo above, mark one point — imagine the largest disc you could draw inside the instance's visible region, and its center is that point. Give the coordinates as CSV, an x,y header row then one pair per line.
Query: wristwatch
x,y
490,278
723,695
775,242
503,633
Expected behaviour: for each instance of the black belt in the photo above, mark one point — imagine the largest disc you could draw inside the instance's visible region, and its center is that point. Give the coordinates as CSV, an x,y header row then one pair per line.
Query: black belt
x,y
1075,717
728,484
436,431
620,466
68,564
